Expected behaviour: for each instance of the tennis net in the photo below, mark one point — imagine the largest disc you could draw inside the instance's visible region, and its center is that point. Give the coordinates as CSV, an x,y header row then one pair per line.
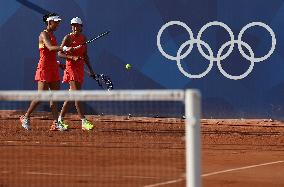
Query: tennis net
x,y
140,138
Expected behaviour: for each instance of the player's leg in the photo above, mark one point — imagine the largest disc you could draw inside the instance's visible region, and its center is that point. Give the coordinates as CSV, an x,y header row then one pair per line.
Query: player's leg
x,y
55,86
54,108
77,86
25,119
63,111
86,124
41,86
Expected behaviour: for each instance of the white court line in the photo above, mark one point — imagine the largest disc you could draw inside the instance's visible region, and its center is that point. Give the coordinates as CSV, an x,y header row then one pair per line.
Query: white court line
x,y
54,174
42,173
140,177
217,172
70,175
241,168
62,174
9,141
164,183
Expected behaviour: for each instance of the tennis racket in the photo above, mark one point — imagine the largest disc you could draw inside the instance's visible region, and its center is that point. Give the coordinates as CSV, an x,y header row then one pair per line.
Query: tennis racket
x,y
93,39
103,81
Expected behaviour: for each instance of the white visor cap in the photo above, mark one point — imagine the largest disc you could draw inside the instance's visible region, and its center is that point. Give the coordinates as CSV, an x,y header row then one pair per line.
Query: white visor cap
x,y
76,20
53,18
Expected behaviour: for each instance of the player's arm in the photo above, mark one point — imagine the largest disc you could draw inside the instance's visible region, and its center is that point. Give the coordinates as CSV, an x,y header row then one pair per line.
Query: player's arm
x,y
89,65
66,42
46,40
87,62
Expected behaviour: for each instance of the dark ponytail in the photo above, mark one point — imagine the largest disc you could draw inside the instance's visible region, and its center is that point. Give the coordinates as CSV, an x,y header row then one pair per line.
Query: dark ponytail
x,y
44,18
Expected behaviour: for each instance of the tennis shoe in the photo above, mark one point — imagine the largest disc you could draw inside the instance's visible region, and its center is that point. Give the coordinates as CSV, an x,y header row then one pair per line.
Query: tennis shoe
x,y
25,122
63,124
87,125
57,127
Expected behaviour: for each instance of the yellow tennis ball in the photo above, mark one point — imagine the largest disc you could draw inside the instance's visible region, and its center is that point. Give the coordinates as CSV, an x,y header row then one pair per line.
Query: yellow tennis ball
x,y
128,66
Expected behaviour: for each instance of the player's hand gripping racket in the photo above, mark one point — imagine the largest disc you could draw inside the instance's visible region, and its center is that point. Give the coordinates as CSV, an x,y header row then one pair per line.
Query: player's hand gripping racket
x,y
93,39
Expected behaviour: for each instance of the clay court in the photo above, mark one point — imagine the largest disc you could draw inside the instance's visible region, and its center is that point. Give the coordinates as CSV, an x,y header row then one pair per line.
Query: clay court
x,y
134,151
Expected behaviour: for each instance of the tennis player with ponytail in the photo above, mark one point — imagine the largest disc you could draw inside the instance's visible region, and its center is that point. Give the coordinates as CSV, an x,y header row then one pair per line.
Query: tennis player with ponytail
x,y
47,73
74,72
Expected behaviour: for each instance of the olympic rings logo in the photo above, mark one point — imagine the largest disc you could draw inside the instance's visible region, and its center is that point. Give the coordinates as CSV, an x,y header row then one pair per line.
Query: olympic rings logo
x,y
220,56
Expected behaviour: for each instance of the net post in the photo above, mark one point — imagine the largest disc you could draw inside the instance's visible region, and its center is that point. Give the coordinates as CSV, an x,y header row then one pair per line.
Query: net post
x,y
192,137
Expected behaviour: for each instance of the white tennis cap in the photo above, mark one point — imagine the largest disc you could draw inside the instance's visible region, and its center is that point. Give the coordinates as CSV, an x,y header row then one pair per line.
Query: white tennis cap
x,y
76,20
54,18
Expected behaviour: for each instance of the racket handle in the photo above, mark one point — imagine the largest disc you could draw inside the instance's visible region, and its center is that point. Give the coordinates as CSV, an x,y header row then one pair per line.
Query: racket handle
x,y
77,47
94,76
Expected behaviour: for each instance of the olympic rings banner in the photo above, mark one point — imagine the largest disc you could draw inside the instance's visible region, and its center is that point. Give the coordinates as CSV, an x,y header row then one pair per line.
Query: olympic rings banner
x,y
231,50
219,57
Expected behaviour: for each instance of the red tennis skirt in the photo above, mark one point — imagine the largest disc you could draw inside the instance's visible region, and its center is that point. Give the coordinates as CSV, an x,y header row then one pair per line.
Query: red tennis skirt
x,y
47,75
74,74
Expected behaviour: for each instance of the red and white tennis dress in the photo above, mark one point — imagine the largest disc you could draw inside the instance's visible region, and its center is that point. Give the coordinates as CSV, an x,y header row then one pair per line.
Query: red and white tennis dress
x,y
75,69
48,68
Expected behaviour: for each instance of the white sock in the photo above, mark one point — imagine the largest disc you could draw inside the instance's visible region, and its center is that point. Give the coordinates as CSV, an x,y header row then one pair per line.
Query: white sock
x,y
59,118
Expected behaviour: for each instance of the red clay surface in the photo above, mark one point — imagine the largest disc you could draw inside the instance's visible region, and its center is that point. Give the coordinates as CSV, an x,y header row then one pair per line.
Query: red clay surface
x,y
134,151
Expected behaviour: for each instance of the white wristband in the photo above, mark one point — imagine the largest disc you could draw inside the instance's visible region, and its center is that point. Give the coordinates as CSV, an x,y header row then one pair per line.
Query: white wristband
x,y
65,48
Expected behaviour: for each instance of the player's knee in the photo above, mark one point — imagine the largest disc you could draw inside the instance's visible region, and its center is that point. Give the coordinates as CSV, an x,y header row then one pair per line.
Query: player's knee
x,y
53,104
77,103
36,102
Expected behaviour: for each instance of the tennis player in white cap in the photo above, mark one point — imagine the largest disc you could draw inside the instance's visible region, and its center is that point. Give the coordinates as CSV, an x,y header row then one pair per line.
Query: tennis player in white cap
x,y
74,71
